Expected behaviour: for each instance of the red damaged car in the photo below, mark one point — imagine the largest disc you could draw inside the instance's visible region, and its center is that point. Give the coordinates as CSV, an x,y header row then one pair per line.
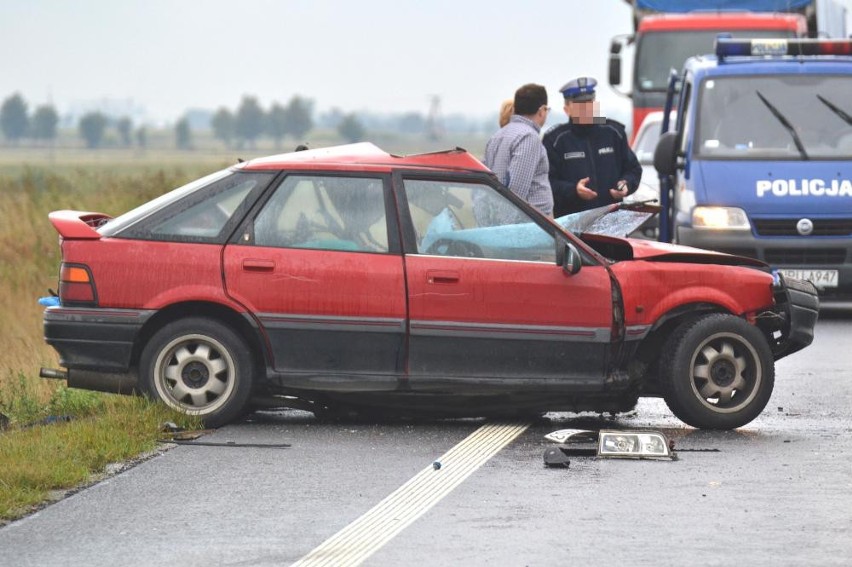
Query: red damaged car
x,y
350,281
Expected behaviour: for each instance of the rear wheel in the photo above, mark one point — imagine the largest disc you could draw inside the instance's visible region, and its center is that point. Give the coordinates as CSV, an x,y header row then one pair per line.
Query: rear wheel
x,y
200,367
717,372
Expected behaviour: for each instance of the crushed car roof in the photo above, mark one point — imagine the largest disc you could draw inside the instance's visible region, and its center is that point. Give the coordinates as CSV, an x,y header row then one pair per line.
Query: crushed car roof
x,y
366,157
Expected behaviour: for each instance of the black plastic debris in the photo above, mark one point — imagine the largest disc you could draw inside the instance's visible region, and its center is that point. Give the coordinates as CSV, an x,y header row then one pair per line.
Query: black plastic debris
x,y
556,457
233,444
171,427
49,420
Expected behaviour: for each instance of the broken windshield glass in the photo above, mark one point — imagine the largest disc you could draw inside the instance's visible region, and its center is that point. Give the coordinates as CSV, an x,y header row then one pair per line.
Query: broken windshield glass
x,y
619,220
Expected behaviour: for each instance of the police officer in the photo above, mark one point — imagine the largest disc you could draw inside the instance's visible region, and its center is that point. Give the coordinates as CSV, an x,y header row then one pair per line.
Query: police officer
x,y
591,163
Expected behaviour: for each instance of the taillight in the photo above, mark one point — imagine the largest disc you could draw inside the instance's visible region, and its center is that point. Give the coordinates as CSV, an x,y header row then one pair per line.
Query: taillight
x,y
76,285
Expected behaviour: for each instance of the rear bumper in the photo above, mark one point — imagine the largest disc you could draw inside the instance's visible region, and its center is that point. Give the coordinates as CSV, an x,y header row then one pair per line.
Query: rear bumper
x,y
101,340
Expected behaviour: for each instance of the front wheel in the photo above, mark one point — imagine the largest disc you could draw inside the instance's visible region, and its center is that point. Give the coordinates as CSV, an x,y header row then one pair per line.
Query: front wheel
x,y
717,372
200,367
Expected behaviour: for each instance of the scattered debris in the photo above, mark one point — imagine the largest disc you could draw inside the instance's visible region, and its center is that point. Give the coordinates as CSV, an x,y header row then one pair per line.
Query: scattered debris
x,y
572,436
189,435
227,444
607,444
177,435
171,427
49,420
436,465
634,445
556,457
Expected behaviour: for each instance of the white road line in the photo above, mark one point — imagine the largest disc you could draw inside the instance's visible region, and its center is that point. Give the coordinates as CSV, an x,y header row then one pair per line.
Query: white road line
x,y
359,540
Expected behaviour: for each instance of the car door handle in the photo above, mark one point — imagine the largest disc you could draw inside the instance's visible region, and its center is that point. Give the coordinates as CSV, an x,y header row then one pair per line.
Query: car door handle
x,y
442,277
258,265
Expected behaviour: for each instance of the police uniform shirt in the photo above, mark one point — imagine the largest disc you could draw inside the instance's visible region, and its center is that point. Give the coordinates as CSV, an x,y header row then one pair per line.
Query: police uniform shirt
x,y
597,151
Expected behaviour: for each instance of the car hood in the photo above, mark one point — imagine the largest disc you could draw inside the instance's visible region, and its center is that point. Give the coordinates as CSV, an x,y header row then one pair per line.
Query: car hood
x,y
663,252
606,228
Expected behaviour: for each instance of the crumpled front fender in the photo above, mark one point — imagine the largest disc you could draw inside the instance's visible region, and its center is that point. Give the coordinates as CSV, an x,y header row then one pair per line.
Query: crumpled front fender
x,y
789,326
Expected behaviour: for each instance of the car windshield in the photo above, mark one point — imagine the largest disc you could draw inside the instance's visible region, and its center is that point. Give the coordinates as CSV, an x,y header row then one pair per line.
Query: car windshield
x,y
659,52
764,117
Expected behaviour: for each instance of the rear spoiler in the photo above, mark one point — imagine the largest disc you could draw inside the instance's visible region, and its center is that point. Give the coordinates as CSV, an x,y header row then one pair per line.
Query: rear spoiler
x,y
77,224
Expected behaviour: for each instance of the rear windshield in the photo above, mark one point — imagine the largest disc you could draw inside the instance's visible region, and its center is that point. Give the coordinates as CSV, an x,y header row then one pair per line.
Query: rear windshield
x,y
131,217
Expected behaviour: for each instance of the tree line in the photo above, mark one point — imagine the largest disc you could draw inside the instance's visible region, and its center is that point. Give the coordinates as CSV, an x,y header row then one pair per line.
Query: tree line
x,y
17,124
294,120
241,127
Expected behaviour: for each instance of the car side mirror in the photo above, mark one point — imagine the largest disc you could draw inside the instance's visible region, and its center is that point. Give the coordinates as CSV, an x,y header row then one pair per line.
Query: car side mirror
x,y
665,154
570,259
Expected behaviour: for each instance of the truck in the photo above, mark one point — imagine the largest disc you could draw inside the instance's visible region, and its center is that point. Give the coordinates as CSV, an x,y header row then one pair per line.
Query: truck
x,y
667,32
758,162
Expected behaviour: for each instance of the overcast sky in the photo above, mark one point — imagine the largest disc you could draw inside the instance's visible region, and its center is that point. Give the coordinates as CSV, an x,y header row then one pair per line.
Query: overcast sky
x,y
377,55
381,55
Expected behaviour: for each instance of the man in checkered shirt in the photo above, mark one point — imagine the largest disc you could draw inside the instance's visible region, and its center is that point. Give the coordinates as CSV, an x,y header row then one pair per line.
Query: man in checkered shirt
x,y
516,155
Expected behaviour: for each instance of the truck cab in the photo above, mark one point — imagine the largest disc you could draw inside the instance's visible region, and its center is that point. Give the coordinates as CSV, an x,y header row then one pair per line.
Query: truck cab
x,y
663,42
667,32
759,160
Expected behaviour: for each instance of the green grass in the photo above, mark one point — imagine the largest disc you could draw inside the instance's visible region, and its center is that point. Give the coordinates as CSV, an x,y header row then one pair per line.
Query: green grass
x,y
37,458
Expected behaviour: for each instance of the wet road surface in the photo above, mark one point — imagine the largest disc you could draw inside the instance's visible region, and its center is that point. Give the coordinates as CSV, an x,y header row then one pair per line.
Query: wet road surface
x,y
777,492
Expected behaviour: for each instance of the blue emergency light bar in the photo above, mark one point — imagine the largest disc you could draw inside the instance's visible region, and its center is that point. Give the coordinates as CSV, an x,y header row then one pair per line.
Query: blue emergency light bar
x,y
728,47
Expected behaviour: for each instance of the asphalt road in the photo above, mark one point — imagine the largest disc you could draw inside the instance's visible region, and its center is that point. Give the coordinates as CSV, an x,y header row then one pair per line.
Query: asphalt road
x,y
777,492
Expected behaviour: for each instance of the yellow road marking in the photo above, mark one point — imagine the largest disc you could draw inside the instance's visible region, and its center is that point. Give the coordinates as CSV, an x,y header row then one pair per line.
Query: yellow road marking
x,y
359,540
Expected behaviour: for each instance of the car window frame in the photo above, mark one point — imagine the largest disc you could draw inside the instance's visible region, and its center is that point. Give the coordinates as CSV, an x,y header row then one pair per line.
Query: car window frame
x,y
141,230
409,237
244,233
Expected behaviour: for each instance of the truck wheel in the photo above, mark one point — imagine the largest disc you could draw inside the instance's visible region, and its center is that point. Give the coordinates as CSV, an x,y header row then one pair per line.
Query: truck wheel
x,y
717,372
200,367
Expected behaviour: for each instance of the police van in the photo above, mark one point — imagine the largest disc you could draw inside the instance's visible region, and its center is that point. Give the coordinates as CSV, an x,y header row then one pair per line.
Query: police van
x,y
759,160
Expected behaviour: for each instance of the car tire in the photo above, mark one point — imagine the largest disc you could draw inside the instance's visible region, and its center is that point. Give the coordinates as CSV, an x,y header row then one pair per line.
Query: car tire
x,y
198,366
717,372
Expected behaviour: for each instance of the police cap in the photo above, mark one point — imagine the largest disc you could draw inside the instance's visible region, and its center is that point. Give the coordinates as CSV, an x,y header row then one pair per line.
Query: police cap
x,y
581,89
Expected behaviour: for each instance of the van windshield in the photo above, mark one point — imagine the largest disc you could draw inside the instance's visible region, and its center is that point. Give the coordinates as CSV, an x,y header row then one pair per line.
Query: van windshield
x,y
795,117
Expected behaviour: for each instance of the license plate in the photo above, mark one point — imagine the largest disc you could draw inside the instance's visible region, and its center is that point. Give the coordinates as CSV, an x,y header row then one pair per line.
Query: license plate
x,y
820,278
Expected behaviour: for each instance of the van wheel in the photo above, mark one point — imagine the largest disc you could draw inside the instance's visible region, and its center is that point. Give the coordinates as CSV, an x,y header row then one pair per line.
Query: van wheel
x,y
200,367
717,372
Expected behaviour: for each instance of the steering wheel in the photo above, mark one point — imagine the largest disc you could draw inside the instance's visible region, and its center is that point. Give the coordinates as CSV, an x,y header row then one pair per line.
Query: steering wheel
x,y
451,247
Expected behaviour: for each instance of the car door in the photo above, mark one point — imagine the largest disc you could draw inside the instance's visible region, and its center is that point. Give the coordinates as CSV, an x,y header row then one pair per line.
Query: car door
x,y
488,303
319,266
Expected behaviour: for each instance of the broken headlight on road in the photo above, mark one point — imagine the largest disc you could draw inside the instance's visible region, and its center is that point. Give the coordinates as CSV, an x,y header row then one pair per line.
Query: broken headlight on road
x,y
606,444
633,445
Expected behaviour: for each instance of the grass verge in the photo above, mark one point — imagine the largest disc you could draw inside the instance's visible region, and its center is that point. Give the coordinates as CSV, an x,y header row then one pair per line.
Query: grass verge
x,y
36,458
71,441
